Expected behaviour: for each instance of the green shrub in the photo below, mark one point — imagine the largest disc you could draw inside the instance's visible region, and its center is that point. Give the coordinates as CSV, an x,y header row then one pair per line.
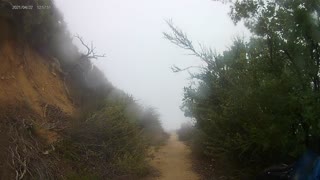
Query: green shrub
x,y
186,132
110,142
107,143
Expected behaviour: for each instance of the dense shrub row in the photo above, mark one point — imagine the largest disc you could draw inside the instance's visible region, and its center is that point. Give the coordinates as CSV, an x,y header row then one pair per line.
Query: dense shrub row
x,y
111,142
257,103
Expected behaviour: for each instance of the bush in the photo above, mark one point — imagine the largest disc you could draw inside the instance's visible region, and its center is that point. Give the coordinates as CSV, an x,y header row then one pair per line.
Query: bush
x,y
186,131
112,141
149,121
108,143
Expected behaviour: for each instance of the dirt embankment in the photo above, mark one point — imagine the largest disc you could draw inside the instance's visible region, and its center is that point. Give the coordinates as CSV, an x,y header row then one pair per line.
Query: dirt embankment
x,y
173,161
26,78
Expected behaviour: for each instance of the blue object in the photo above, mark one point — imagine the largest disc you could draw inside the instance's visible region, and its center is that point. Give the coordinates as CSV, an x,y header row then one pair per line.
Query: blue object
x,y
307,167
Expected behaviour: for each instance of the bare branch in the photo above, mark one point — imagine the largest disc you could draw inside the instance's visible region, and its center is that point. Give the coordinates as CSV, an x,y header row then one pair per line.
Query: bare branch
x,y
90,54
177,69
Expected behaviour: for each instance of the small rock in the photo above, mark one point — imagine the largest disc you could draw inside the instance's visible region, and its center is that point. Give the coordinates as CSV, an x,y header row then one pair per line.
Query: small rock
x,y
45,152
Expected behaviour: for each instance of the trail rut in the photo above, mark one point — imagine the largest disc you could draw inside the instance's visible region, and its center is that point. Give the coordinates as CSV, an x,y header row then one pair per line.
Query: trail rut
x,y
173,161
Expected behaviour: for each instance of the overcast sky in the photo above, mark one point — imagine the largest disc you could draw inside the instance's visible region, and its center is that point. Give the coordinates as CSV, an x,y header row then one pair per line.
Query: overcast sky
x,y
138,58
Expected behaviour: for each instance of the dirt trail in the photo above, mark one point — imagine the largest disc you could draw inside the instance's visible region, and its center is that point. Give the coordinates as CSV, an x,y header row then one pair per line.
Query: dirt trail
x,y
173,161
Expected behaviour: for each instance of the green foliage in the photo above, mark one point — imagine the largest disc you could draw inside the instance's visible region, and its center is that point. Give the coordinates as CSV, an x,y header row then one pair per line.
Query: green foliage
x,y
186,132
258,102
36,26
149,121
111,141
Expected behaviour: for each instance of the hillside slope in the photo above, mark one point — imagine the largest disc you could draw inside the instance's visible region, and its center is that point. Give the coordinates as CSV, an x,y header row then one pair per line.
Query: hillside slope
x,y
60,118
27,78
32,97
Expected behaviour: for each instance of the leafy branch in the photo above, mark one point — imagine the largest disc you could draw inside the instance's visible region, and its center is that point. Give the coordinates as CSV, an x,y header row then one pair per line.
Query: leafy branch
x,y
180,39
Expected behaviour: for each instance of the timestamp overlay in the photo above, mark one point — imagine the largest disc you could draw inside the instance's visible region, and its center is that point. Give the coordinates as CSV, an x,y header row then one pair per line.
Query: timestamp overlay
x,y
41,7
30,7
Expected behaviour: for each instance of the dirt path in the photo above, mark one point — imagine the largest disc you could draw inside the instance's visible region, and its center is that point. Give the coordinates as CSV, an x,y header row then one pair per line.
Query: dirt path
x,y
173,161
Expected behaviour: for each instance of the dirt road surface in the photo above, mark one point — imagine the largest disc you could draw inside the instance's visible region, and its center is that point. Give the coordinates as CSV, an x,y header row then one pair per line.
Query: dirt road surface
x,y
173,161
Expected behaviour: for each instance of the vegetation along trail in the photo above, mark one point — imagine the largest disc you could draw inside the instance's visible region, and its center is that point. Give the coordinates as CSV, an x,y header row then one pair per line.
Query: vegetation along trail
x,y
173,162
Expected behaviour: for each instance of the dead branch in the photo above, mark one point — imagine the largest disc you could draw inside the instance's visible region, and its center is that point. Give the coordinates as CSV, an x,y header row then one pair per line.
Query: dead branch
x,y
24,151
84,58
90,54
67,89
55,118
19,163
45,111
175,68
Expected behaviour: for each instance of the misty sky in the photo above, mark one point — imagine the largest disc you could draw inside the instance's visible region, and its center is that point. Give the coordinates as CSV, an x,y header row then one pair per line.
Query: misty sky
x,y
138,58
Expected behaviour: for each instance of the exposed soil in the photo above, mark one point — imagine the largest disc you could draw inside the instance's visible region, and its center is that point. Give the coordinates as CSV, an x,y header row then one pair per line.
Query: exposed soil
x,y
34,105
26,78
173,161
